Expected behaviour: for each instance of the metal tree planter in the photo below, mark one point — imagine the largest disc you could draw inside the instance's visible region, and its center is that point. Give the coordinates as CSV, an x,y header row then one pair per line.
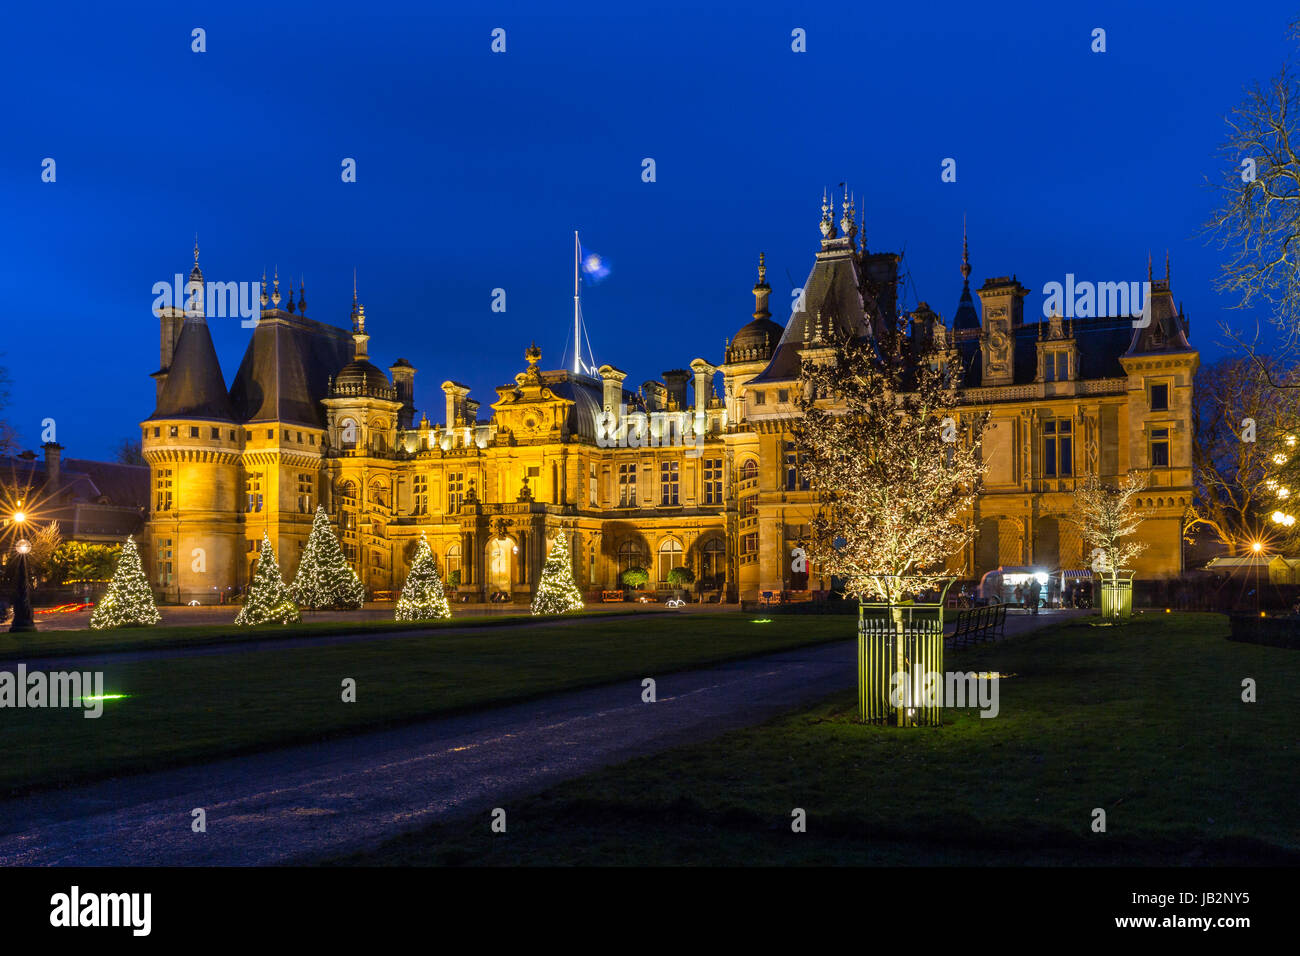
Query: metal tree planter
x,y
1117,596
898,646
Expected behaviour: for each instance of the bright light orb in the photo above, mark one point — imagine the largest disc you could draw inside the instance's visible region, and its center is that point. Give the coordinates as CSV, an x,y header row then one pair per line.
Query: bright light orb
x,y
1257,546
23,546
20,517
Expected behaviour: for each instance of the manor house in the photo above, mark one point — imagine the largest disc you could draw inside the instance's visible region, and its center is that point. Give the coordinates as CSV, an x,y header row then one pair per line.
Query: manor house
x,y
309,419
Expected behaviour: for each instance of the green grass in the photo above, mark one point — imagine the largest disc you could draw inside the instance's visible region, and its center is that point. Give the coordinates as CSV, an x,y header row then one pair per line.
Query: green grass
x,y
1144,721
30,644
181,709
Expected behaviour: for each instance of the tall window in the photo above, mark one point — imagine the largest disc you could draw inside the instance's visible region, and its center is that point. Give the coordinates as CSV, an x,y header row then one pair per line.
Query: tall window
x,y
713,481
304,494
420,495
455,491
748,470
163,484
253,492
453,559
748,506
793,480
1160,398
592,489
1058,449
668,480
348,433
670,556
164,561
713,564
1160,448
627,486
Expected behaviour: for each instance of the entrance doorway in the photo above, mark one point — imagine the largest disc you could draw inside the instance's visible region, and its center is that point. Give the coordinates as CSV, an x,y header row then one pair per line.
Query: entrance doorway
x,y
500,564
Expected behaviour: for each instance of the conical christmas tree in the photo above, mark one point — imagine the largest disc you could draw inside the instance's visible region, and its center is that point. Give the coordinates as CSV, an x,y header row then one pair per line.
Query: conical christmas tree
x,y
422,594
556,591
325,579
129,599
268,599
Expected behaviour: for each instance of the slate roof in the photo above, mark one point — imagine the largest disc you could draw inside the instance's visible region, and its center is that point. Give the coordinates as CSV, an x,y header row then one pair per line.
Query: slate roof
x,y
195,387
286,369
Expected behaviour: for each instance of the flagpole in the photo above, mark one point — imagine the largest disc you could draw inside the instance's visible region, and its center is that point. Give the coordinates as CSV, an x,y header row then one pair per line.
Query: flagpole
x,y
577,309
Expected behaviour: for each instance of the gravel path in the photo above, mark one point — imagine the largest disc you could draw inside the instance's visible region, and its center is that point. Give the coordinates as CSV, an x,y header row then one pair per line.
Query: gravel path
x,y
306,802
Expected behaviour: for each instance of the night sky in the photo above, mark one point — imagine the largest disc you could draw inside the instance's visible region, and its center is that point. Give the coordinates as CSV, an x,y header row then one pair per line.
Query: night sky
x,y
474,169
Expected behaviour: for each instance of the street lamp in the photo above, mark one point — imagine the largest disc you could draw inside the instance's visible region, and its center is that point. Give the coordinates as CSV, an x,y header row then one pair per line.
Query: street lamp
x,y
23,618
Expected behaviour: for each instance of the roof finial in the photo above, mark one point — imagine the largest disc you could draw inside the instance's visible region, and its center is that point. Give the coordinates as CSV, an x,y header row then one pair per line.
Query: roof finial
x,y
827,227
845,220
275,288
264,296
1166,267
762,268
965,252
1149,276
302,295
291,305
196,248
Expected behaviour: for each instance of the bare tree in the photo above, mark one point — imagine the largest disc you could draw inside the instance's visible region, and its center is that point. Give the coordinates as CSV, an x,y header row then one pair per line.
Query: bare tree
x,y
1240,422
8,437
129,452
1257,220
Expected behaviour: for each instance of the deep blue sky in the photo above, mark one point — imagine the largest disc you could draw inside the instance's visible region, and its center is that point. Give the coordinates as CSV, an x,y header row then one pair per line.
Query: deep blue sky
x,y
474,169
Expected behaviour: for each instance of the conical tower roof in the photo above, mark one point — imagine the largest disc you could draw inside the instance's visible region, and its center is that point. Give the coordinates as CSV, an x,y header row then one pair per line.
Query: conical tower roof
x,y
195,387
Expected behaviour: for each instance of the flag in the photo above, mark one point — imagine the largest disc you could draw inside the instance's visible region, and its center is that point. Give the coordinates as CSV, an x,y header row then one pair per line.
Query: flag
x,y
594,266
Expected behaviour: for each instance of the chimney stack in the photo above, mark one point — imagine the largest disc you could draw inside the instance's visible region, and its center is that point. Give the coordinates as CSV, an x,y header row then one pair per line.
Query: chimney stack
x,y
53,466
612,380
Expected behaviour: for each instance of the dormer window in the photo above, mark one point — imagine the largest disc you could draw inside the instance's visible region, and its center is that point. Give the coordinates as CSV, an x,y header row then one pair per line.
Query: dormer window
x,y
1056,366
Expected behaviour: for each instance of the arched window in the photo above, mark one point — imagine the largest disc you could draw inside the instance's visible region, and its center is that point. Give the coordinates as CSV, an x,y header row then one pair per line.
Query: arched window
x,y
348,433
379,494
748,470
453,559
670,556
631,554
713,563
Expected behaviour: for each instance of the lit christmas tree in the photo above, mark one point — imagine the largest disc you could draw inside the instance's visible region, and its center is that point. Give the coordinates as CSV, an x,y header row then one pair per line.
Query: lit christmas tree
x,y
129,599
325,579
422,595
269,598
556,591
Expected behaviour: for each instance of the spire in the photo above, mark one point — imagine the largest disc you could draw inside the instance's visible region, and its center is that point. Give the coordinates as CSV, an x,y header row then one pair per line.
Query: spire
x,y
291,305
302,296
275,288
846,220
827,227
965,253
965,317
1150,278
1166,267
194,288
359,336
265,298
761,290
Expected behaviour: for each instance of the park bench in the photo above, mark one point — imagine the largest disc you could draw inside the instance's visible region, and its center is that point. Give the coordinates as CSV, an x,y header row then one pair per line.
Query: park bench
x,y
979,624
608,596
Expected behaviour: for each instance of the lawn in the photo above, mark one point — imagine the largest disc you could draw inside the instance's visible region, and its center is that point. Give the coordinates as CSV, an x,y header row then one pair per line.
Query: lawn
x,y
1145,722
183,708
31,644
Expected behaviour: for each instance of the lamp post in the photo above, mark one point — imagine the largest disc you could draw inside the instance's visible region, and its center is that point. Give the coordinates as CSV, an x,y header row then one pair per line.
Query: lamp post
x,y
23,619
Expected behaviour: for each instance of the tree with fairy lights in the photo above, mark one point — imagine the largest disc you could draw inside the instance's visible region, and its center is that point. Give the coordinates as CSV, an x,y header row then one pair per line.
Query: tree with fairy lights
x,y
422,597
268,600
556,591
128,602
324,578
880,444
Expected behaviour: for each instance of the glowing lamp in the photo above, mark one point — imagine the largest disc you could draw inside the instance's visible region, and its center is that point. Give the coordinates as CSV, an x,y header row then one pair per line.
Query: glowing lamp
x,y
23,546
19,517
1257,547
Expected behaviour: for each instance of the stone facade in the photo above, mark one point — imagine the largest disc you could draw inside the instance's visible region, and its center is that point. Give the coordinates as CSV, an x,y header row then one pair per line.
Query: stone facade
x,y
666,475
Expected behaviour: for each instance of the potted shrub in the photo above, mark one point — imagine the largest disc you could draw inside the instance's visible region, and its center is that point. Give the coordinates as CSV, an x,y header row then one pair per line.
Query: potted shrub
x,y
681,578
633,578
